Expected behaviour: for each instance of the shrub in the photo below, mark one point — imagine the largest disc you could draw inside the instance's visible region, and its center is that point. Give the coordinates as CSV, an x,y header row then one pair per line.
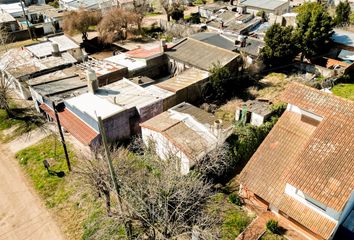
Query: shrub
x,y
235,199
272,226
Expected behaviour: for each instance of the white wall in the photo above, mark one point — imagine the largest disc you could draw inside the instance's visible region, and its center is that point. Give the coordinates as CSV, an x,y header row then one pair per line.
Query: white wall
x,y
164,148
301,197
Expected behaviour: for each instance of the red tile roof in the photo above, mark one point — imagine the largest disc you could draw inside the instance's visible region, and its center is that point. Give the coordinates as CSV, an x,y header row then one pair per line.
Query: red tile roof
x,y
73,124
143,53
318,160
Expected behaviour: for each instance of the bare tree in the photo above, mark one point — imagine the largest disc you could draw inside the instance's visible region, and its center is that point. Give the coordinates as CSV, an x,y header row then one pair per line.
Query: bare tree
x,y
140,8
5,92
170,6
95,173
5,37
116,24
80,21
216,163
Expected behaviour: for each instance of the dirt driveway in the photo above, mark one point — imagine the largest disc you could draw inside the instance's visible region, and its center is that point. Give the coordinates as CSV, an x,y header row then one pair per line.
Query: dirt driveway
x,y
22,215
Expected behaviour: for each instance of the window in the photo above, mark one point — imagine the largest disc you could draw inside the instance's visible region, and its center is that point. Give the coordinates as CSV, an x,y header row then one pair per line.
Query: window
x,y
310,118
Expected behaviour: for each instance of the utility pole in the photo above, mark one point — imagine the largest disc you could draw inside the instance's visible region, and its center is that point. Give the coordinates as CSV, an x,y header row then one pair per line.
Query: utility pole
x,y
109,161
62,137
24,14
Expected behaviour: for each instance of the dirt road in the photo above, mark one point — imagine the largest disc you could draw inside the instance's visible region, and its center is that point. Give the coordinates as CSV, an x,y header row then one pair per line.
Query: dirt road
x,y
22,215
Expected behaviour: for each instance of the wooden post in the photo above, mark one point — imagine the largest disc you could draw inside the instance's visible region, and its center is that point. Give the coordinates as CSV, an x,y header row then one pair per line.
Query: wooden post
x,y
26,17
62,137
109,160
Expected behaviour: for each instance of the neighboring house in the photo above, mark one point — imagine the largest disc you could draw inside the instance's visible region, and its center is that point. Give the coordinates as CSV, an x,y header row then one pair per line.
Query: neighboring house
x,y
186,132
70,82
304,169
150,62
8,22
236,23
208,10
21,64
193,53
14,9
276,7
186,86
122,106
74,5
47,17
255,112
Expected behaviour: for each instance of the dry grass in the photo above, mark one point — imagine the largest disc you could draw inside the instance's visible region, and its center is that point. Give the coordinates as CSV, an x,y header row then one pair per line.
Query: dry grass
x,y
271,86
4,48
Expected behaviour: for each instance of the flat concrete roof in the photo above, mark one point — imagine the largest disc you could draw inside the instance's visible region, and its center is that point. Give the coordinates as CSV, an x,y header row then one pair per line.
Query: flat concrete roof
x,y
114,98
127,61
94,105
6,17
45,48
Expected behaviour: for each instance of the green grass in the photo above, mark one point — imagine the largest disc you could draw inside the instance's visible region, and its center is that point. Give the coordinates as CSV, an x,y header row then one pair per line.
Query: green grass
x,y
99,226
345,90
234,218
6,122
151,14
22,122
51,187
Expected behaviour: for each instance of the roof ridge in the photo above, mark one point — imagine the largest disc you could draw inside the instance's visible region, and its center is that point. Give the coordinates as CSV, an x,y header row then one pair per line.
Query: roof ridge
x,y
320,92
210,45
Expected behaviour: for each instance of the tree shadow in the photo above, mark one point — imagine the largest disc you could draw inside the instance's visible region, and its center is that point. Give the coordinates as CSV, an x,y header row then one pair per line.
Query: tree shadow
x,y
59,174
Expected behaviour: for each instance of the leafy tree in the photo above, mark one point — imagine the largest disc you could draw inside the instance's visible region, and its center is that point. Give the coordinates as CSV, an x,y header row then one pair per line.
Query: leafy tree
x,y
343,11
218,87
314,28
280,47
80,21
116,23
272,226
351,18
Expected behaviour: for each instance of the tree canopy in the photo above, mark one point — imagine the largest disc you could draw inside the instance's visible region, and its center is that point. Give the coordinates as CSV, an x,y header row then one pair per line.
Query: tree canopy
x,y
80,21
116,24
314,28
279,46
343,11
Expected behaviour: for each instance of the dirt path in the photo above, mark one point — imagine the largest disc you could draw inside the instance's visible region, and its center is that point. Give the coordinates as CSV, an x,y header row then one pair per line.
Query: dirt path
x,y
22,215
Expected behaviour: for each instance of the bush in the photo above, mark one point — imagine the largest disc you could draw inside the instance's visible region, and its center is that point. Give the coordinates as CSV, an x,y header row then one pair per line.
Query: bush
x,y
272,226
235,199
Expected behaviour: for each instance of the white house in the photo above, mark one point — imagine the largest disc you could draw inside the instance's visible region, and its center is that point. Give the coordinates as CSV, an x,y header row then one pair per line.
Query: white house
x,y
186,132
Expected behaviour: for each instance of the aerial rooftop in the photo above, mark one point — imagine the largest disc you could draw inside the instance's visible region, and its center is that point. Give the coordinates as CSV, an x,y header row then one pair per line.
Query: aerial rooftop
x,y
310,149
200,54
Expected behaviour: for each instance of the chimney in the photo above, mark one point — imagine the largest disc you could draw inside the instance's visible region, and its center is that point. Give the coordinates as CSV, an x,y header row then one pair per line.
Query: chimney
x,y
221,24
55,50
163,46
217,127
92,82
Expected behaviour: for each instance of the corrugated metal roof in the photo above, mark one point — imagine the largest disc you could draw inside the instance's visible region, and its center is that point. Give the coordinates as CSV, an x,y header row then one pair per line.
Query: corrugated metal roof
x,y
200,54
215,39
73,124
264,4
183,80
188,128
